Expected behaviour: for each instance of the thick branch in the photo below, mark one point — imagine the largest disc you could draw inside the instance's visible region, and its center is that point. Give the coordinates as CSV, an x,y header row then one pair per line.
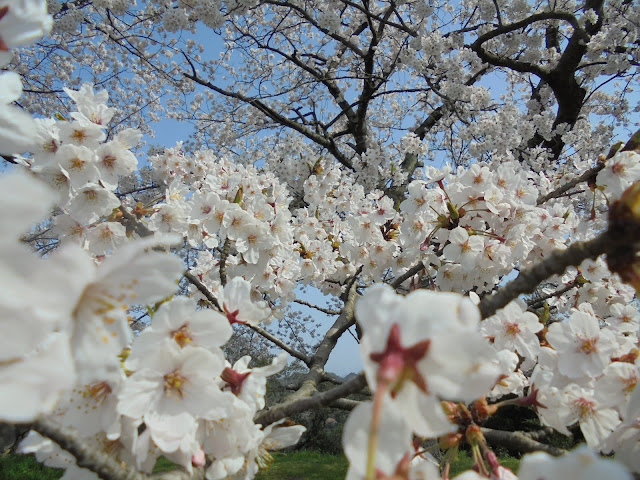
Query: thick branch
x,y
516,65
318,400
519,441
345,404
587,176
309,385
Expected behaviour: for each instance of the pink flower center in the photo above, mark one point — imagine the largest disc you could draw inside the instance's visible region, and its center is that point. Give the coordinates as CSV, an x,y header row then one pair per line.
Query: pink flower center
x,y
588,345
398,363
511,329
234,379
233,316
584,407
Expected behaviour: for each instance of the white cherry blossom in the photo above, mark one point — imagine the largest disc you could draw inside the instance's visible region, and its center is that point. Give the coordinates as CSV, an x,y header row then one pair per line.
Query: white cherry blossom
x,y
583,348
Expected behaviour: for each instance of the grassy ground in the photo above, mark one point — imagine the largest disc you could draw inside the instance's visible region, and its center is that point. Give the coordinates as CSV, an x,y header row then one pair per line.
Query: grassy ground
x,y
25,467
300,465
305,465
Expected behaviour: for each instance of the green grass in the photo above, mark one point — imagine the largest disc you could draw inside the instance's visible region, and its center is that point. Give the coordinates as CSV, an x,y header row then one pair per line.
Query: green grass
x,y
305,465
26,467
300,465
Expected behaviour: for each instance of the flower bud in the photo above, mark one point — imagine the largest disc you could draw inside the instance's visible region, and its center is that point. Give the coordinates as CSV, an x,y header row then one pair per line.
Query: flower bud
x,y
450,440
481,410
474,435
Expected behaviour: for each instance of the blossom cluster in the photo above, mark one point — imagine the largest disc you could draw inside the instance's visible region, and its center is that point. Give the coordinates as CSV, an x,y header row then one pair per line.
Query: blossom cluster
x,y
469,229
68,349
85,368
426,350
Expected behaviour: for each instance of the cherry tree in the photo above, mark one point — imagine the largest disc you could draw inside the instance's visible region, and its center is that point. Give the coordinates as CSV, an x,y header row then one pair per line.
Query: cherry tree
x,y
462,180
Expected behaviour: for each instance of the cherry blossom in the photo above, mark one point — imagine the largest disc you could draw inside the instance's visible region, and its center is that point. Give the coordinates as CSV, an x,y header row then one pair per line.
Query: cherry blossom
x,y
179,321
17,129
236,302
514,329
583,348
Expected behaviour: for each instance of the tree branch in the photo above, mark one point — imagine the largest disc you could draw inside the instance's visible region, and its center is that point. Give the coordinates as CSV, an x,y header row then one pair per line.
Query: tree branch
x,y
103,464
519,441
195,281
588,176
273,115
223,261
554,264
318,400
406,275
309,384
276,341
317,307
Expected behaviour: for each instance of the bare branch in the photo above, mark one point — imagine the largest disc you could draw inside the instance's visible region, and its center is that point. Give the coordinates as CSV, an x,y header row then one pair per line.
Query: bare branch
x,y
276,341
328,311
103,464
519,441
275,116
588,176
309,384
318,400
345,404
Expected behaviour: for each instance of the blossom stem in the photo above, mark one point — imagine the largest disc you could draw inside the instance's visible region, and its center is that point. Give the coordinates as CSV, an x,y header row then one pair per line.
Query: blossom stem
x,y
449,455
479,460
374,430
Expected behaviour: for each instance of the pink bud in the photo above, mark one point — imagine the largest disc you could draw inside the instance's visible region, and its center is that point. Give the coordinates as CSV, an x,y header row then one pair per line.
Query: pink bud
x,y
198,459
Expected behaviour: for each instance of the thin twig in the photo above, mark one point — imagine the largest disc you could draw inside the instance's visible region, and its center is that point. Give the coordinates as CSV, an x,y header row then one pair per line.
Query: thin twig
x,y
276,341
317,307
537,302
